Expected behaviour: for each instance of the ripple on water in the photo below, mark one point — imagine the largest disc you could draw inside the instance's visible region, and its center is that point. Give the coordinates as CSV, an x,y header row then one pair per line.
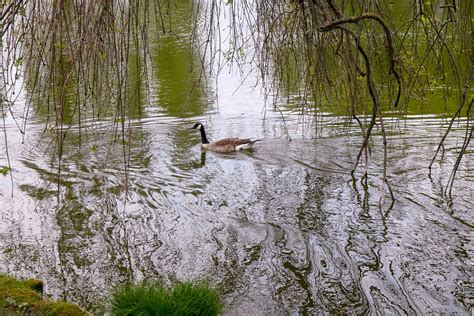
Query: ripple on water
x,y
282,229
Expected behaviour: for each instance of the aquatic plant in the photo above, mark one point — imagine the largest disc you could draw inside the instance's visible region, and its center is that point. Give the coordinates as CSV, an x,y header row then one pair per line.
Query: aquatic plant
x,y
155,299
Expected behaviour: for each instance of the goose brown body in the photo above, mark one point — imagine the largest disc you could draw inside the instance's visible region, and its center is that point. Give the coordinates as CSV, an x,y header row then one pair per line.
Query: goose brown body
x,y
225,145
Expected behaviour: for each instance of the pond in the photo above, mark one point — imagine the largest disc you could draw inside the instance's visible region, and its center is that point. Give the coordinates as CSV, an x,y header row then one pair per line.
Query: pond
x,y
282,229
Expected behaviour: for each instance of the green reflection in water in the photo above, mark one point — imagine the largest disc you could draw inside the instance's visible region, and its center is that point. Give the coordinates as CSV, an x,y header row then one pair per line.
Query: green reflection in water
x,y
135,87
433,74
180,90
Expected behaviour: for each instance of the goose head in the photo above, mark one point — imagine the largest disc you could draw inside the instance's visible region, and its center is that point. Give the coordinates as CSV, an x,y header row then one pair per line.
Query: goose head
x,y
203,132
196,126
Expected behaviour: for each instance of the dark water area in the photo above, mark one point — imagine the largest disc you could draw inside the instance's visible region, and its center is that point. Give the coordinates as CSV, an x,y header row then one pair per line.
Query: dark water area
x,y
283,229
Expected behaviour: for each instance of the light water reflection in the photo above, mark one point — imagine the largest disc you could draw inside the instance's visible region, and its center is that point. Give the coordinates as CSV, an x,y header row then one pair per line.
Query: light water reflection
x,y
283,229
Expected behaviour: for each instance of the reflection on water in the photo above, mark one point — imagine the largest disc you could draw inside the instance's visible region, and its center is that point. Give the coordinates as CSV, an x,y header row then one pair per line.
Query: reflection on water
x,y
281,229
180,89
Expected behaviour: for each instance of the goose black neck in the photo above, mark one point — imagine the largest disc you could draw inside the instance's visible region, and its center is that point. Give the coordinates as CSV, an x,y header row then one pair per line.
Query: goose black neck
x,y
203,135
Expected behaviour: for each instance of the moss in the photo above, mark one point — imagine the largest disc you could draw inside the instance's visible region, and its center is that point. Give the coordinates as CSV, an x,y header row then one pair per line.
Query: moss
x,y
59,308
14,293
36,285
19,297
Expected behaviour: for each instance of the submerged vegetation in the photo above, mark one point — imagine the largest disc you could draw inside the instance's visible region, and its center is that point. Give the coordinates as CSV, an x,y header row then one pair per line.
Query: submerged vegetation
x,y
19,297
155,299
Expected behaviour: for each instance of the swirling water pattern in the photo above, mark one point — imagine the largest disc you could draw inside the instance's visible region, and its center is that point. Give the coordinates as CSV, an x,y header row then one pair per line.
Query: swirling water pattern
x,y
282,229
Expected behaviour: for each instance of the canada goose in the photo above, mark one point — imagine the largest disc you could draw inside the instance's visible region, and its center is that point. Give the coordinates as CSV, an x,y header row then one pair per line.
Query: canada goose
x,y
225,145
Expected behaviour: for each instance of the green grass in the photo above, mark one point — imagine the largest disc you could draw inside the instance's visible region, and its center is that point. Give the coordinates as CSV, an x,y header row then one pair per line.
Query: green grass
x,y
155,299
24,297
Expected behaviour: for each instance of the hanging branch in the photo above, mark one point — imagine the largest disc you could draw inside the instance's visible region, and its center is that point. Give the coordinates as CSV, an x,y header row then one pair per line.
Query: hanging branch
x,y
458,111
3,114
338,24
8,15
388,35
467,139
370,86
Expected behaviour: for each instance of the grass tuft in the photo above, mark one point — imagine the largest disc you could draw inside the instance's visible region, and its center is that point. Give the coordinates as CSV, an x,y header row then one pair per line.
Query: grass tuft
x,y
155,299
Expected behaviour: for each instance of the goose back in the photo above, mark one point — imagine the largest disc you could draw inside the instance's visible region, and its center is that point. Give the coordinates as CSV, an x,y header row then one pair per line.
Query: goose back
x,y
227,145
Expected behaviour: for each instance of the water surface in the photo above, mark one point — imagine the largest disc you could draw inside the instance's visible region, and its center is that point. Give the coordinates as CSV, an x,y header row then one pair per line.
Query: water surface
x,y
282,229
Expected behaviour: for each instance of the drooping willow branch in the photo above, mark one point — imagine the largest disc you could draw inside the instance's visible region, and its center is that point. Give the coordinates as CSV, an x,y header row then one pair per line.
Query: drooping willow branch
x,y
388,35
338,24
61,46
373,95
451,122
467,140
8,15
